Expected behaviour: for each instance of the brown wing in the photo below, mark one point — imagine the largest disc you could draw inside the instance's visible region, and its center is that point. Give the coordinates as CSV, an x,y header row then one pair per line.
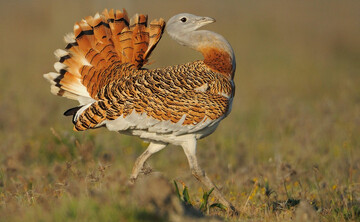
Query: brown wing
x,y
184,98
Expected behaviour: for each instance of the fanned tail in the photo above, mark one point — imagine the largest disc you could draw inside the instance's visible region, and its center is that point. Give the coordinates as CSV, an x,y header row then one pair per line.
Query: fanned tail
x,y
96,47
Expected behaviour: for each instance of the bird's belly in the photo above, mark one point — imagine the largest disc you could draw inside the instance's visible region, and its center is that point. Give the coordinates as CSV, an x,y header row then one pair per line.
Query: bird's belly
x,y
148,128
172,138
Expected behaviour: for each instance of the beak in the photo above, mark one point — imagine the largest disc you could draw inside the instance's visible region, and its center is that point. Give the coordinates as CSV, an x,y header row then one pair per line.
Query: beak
x,y
205,20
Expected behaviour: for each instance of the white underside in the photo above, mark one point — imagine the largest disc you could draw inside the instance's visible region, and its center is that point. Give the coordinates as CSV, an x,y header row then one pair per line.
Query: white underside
x,y
151,129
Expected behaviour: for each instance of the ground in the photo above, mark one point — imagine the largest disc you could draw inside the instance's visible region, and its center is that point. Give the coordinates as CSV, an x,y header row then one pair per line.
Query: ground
x,y
289,150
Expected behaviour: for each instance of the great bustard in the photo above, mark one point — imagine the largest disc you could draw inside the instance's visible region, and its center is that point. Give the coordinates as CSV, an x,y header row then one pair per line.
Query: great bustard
x,y
101,68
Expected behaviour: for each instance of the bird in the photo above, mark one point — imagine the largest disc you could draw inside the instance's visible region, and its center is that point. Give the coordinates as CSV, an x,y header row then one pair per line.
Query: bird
x,y
102,68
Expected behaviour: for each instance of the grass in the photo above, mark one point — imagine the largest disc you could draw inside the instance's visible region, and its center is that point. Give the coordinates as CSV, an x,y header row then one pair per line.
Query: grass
x,y
290,149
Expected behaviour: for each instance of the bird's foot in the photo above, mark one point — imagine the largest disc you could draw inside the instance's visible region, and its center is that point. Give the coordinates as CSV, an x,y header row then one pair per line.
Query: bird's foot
x,y
146,169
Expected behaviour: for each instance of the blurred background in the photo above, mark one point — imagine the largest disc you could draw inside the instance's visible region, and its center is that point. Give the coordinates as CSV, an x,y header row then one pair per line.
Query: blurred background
x,y
296,109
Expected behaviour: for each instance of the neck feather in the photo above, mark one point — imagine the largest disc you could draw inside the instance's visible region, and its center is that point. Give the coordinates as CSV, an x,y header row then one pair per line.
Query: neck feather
x,y
217,52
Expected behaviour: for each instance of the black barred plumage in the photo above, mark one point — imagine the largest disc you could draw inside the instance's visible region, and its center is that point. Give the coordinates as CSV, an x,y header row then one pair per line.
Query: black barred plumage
x,y
143,83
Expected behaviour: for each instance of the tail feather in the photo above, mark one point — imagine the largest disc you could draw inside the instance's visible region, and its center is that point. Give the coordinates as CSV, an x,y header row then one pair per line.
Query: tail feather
x,y
126,48
140,39
98,43
155,30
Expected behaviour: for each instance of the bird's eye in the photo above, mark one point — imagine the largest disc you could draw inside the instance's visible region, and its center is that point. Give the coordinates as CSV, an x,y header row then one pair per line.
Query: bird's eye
x,y
183,19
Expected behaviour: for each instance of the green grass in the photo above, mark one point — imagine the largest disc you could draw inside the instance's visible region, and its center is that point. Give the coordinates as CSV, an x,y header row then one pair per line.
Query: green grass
x,y
293,136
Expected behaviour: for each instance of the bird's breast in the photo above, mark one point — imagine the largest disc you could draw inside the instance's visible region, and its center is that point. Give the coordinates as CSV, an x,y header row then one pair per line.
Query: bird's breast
x,y
218,60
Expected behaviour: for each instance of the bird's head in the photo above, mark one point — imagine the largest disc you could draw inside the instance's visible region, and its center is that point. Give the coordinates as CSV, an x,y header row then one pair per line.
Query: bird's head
x,y
185,23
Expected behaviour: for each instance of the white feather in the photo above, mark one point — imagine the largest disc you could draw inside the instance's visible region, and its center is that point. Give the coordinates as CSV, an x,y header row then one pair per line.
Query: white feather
x,y
224,95
146,127
76,26
202,88
69,38
85,62
81,110
97,15
60,53
59,66
51,76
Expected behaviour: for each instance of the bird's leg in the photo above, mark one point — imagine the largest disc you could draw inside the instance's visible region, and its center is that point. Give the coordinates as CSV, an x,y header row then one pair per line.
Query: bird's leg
x,y
190,151
140,161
